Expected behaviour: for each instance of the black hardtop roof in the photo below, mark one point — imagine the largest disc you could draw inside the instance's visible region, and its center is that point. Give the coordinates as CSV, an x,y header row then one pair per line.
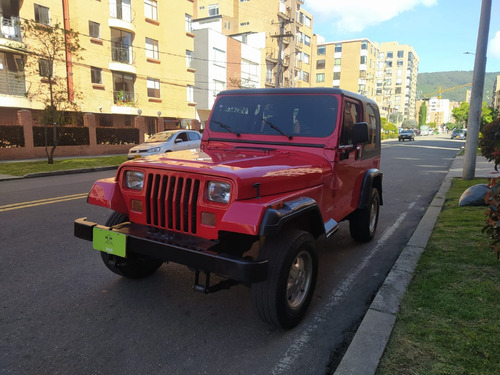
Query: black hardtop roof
x,y
296,90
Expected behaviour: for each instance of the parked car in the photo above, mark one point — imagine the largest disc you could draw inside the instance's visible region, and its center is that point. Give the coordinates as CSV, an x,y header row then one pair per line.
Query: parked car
x,y
459,134
276,170
406,134
170,140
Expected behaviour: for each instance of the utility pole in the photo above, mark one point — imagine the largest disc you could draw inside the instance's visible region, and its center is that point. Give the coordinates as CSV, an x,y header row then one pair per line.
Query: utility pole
x,y
477,92
280,36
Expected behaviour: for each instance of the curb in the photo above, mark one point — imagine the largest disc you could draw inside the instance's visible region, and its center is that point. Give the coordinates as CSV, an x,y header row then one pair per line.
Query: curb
x,y
57,173
368,345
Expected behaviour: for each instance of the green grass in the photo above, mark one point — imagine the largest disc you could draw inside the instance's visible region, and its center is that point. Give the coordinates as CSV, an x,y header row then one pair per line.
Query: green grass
x,y
449,321
24,167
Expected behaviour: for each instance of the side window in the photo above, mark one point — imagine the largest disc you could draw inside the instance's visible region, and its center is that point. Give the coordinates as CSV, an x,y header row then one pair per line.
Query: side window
x,y
352,115
373,132
181,137
193,136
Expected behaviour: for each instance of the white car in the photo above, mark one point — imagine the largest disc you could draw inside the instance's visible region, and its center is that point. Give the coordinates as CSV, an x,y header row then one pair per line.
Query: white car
x,y
170,140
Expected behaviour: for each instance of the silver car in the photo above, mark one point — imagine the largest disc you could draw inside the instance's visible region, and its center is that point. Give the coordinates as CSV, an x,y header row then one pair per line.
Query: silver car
x,y
170,140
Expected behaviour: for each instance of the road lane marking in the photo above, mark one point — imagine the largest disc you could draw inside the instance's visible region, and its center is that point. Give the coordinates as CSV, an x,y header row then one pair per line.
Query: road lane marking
x,y
40,202
302,338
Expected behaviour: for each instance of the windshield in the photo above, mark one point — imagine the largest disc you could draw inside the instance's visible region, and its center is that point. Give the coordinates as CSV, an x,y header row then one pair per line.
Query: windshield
x,y
160,137
279,115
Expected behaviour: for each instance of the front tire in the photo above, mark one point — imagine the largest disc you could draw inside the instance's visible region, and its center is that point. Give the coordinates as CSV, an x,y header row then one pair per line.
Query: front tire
x,y
134,266
363,222
283,299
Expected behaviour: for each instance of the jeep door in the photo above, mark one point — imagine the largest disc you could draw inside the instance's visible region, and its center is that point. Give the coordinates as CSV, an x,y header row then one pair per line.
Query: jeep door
x,y
348,167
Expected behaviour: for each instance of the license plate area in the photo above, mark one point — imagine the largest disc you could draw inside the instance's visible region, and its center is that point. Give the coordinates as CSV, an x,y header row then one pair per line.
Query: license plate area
x,y
110,242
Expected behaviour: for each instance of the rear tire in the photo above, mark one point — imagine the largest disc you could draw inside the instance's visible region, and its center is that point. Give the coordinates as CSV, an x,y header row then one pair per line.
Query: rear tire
x,y
134,266
283,299
363,222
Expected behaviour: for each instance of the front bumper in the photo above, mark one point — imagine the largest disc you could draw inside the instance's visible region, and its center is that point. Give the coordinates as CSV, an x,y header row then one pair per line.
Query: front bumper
x,y
179,248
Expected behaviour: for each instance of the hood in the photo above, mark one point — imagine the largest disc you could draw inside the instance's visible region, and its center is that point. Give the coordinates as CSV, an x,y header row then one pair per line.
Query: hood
x,y
276,171
147,146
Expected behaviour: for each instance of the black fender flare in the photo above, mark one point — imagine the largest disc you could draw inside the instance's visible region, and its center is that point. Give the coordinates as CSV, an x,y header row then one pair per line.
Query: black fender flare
x,y
274,219
373,178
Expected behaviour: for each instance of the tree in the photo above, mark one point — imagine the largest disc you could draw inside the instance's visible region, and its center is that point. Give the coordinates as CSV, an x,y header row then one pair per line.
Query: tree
x,y
409,124
422,114
461,114
48,49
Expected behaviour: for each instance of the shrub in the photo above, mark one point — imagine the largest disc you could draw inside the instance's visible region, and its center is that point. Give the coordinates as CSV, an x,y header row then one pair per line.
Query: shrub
x,y
489,142
492,227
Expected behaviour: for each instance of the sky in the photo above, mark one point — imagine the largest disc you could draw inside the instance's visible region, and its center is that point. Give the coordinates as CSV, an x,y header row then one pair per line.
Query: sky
x,y
440,31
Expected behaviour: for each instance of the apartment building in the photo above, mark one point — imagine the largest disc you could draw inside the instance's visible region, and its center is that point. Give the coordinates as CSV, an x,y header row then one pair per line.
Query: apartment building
x,y
349,64
129,65
223,62
396,81
287,55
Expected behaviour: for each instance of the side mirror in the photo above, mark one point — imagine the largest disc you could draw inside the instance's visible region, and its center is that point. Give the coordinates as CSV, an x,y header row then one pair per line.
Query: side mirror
x,y
360,133
178,140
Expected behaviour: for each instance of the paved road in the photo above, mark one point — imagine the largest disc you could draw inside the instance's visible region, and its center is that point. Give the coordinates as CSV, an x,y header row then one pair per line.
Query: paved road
x,y
63,312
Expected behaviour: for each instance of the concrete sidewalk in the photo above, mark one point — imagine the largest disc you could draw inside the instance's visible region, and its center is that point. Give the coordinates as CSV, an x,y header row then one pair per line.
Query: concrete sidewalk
x,y
369,342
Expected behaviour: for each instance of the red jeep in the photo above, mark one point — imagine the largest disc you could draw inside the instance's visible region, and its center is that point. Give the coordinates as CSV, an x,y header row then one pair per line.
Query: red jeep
x,y
277,168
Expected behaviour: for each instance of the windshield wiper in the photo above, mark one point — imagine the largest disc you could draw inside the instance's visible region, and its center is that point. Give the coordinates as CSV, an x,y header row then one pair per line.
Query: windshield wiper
x,y
276,128
227,127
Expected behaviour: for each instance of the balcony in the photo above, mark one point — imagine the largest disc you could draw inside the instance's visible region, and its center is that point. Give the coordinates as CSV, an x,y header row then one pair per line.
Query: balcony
x,y
121,16
10,28
122,59
272,55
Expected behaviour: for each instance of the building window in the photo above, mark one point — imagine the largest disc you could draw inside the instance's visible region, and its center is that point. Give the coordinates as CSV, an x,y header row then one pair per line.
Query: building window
x,y
307,40
213,10
152,50
151,9
305,58
121,9
44,68
401,54
364,45
399,81
94,30
121,46
123,88
189,58
388,63
42,14
400,63
362,60
305,76
153,88
96,75
389,55
338,47
190,94
320,64
336,62
188,23
227,24
320,77
218,87
322,50
336,75
219,57
244,23
307,21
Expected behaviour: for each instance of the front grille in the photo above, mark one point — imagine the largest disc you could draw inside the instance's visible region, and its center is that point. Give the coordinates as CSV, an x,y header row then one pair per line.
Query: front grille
x,y
171,201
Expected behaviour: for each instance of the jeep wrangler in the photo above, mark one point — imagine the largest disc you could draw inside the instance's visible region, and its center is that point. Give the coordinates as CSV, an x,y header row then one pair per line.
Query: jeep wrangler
x,y
276,169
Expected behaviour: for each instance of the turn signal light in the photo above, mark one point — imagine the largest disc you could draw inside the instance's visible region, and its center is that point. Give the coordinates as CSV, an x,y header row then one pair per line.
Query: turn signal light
x,y
136,205
208,218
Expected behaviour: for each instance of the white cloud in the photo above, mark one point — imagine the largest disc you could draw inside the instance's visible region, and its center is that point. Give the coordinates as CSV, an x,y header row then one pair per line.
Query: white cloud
x,y
494,46
356,15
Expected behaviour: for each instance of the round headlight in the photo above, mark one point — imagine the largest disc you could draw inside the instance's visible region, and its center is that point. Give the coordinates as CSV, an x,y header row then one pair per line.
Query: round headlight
x,y
219,191
134,180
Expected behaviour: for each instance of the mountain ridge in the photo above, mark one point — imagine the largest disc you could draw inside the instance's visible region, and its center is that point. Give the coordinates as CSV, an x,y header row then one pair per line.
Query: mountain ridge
x,y
428,85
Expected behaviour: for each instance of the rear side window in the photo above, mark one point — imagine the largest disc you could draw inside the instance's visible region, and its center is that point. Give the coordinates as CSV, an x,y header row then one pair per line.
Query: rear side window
x,y
313,115
352,115
194,136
